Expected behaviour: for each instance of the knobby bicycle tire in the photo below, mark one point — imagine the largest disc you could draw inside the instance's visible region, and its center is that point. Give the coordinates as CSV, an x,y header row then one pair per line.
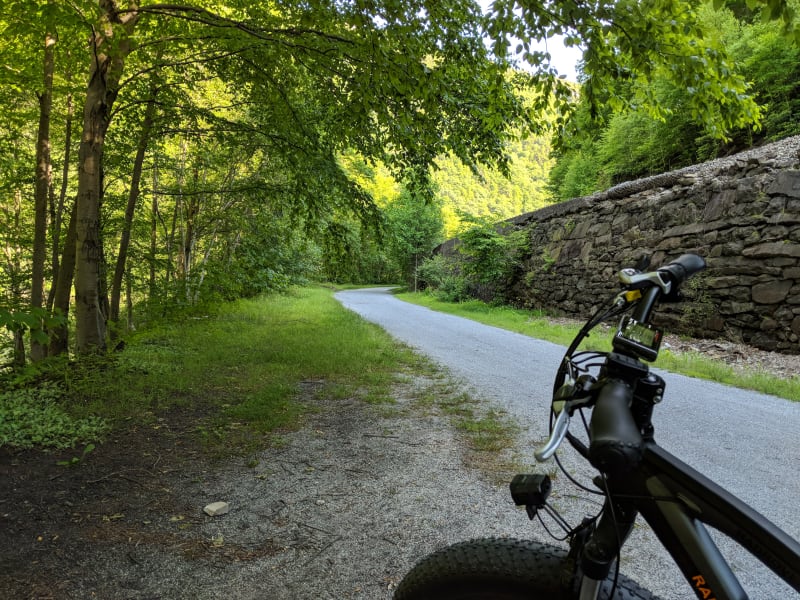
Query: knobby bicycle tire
x,y
500,569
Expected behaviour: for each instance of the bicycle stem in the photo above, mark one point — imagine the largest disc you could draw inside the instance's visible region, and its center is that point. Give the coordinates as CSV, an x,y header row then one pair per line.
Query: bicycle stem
x,y
646,304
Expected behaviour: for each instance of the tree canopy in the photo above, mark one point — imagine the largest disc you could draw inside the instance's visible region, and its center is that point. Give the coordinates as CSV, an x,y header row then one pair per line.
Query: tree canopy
x,y
632,142
165,152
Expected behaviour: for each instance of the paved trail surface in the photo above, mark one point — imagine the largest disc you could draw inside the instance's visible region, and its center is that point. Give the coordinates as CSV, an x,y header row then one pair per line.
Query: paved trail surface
x,y
746,442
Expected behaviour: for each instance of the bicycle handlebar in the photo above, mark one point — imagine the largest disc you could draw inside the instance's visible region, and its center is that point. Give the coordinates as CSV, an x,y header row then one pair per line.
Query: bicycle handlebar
x,y
616,443
615,440
683,267
663,284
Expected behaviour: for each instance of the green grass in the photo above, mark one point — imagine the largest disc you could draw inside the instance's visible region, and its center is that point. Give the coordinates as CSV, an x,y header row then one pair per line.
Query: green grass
x,y
243,370
537,325
490,432
695,364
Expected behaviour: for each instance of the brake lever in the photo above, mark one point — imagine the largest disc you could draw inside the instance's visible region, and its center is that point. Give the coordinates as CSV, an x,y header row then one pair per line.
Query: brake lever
x,y
564,408
560,429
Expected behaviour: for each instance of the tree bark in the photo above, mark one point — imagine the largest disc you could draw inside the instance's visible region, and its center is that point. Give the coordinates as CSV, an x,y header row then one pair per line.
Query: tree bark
x,y
133,196
14,268
178,208
59,336
153,234
129,301
106,68
42,189
58,214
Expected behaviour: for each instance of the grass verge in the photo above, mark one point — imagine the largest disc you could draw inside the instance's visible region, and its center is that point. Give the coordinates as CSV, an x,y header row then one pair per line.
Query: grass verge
x,y
539,326
239,372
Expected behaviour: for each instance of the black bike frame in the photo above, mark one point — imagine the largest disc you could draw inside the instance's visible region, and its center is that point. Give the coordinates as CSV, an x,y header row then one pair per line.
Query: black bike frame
x,y
677,501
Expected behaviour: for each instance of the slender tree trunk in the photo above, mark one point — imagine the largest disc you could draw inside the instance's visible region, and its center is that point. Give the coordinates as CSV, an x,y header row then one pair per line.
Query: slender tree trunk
x,y
190,236
58,213
202,277
133,196
59,336
103,282
153,233
42,190
108,60
14,268
129,300
170,241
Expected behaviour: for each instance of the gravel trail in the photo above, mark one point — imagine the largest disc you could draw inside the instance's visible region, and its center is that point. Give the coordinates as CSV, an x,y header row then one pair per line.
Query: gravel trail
x,y
744,441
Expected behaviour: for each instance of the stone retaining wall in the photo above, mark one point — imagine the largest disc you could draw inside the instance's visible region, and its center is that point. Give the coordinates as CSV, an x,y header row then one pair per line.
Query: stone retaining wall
x,y
741,213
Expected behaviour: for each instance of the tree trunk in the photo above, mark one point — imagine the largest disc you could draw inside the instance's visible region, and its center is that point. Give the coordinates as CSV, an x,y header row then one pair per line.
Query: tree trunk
x,y
170,241
104,76
59,336
19,348
129,301
43,179
58,214
90,325
133,196
14,270
153,233
192,209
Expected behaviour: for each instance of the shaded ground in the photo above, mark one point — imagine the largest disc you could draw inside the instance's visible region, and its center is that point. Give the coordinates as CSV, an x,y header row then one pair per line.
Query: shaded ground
x,y
54,517
341,509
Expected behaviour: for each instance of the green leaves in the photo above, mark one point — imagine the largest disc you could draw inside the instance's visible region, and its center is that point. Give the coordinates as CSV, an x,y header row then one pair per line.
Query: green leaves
x,y
256,101
36,320
687,124
629,45
33,418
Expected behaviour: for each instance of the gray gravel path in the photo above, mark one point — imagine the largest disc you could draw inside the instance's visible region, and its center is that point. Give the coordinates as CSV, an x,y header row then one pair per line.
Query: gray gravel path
x,y
746,442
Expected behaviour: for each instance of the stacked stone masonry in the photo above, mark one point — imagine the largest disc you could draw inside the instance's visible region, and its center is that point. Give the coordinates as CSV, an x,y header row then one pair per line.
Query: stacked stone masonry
x,y
742,214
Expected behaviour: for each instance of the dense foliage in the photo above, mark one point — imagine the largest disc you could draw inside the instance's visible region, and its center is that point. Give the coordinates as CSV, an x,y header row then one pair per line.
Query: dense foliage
x,y
626,144
491,195
193,152
482,263
159,155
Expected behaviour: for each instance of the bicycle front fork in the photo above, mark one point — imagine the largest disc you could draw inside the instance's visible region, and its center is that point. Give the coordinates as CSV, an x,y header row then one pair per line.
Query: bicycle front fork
x,y
599,547
594,545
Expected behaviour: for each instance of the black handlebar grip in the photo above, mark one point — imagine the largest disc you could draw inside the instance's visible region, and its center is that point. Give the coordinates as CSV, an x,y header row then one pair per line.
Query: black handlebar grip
x,y
615,445
683,267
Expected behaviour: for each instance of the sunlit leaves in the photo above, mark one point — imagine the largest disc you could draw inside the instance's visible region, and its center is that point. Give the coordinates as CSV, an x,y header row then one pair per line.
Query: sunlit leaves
x,y
632,143
628,45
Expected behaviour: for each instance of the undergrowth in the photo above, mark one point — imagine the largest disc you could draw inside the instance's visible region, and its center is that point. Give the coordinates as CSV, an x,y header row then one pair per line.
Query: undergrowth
x,y
32,417
241,371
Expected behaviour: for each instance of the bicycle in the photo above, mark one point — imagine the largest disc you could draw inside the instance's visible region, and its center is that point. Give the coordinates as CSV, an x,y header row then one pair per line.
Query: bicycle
x,y
636,477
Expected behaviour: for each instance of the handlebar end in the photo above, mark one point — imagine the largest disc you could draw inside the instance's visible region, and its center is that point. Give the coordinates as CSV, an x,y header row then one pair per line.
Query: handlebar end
x,y
683,267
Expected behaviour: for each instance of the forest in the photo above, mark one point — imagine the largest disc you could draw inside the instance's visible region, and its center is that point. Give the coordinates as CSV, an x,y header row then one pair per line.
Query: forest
x,y
157,157
593,155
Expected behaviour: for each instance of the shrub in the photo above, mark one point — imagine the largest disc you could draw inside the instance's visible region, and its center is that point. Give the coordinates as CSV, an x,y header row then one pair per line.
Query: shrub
x,y
444,277
32,417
